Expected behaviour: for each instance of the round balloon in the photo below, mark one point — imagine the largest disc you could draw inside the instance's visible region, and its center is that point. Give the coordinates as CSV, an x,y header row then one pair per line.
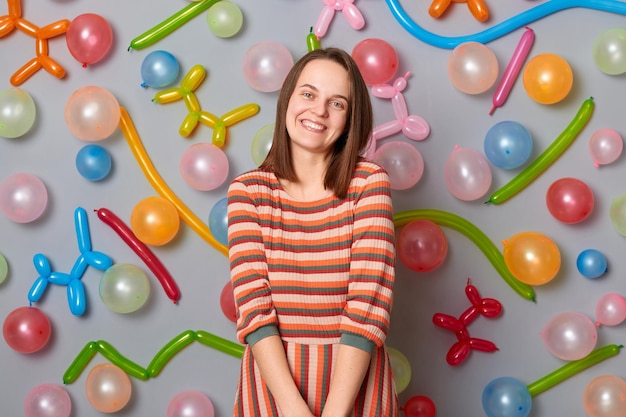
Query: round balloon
x,y
265,66
506,397
402,161
155,221
617,213
467,174
89,38
570,335
92,113
23,197
610,309
47,400
472,67
204,166
227,302
190,404
4,268
532,257
508,144
17,112
218,221
93,162
605,396
548,78
605,146
421,245
401,368
108,388
124,288
591,263
159,69
569,200
26,329
420,406
377,60
609,51
262,143
224,19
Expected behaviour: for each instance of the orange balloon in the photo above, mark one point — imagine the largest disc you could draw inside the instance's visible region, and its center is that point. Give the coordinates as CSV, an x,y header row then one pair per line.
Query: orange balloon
x,y
155,221
548,78
532,257
108,388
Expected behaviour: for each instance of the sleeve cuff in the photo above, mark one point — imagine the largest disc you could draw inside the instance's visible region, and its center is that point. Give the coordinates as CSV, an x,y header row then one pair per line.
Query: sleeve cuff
x,y
261,333
358,342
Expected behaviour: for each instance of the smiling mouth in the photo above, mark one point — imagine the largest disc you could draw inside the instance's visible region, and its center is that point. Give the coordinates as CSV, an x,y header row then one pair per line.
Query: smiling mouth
x,y
312,126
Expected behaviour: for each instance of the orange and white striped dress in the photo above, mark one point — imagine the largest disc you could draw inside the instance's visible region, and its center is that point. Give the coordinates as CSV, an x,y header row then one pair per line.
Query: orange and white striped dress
x,y
320,274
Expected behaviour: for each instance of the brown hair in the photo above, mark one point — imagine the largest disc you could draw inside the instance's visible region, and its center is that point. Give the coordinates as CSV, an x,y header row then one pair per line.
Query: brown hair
x,y
348,148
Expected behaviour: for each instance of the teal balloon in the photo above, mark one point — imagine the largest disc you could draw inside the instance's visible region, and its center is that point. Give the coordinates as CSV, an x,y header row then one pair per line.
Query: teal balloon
x,y
159,69
93,162
17,112
591,263
506,397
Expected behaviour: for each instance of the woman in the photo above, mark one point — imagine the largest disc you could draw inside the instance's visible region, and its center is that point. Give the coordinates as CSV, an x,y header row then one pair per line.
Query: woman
x,y
311,246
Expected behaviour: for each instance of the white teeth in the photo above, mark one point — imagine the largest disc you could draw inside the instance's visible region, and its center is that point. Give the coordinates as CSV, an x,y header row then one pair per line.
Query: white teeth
x,y
311,125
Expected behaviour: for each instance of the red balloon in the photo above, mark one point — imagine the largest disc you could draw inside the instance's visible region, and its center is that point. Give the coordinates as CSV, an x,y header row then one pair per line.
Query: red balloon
x,y
227,302
89,38
420,406
569,200
376,59
422,246
26,329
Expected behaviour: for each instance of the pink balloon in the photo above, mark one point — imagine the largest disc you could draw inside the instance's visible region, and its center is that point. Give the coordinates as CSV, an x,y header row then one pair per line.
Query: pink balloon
x,y
26,329
569,200
92,113
227,302
422,246
472,67
570,335
190,404
265,66
204,166
605,146
467,174
610,310
47,400
108,388
605,396
376,59
23,197
403,163
89,38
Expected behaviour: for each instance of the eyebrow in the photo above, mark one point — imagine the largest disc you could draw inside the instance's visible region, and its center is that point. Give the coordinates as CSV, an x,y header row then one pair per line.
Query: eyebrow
x,y
312,87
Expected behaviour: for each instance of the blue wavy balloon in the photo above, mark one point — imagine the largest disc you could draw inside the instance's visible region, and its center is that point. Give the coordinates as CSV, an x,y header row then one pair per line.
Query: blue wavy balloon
x,y
502,28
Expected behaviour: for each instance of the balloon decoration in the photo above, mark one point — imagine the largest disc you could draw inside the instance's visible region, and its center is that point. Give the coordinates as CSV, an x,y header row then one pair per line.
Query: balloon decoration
x,y
262,143
419,406
89,38
508,145
570,335
93,162
377,60
477,8
17,112
401,369
190,403
227,302
159,69
532,257
472,68
155,221
548,78
605,396
265,66
422,246
204,166
92,113
348,9
547,157
506,397
617,213
610,310
26,329
569,200
224,19
467,174
512,69
591,263
609,51
403,163
4,268
108,388
124,288
23,197
312,41
218,221
605,146
47,400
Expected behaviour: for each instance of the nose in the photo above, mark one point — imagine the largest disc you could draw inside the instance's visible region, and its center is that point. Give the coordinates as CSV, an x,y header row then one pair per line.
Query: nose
x,y
319,109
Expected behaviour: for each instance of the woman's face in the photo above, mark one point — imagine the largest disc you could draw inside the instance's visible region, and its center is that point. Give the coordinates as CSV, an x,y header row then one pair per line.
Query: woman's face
x,y
318,107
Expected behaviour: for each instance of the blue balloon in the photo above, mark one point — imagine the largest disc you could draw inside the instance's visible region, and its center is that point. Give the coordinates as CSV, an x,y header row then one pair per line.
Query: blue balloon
x,y
76,297
159,69
506,397
591,263
508,145
218,221
93,162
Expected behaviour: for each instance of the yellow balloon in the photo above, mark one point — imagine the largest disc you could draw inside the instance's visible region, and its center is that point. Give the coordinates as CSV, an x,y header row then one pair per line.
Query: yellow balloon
x,y
155,221
548,78
532,257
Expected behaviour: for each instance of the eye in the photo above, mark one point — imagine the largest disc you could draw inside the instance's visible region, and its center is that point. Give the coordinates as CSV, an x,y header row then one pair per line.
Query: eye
x,y
307,94
339,105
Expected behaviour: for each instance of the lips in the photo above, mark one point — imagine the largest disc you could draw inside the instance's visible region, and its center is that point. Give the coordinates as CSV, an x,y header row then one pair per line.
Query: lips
x,y
312,126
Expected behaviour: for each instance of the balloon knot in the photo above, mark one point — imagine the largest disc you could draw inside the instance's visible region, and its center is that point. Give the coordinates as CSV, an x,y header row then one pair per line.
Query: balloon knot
x,y
84,65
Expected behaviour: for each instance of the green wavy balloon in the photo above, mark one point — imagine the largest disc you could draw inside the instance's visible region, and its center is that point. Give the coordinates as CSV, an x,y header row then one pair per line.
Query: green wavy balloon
x,y
447,219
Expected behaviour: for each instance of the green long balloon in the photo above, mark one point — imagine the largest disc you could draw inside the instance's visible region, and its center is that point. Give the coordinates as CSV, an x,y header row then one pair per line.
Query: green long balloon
x,y
572,368
170,349
170,24
547,157
462,225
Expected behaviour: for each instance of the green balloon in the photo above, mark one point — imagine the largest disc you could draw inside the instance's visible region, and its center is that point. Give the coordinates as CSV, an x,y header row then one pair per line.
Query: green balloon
x,y
609,51
17,112
4,268
224,19
124,288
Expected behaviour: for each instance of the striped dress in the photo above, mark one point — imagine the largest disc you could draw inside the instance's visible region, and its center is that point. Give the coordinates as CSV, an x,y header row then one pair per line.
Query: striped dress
x,y
320,274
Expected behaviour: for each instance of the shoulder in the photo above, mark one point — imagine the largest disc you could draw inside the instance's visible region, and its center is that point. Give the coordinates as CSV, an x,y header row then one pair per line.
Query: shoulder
x,y
368,171
254,178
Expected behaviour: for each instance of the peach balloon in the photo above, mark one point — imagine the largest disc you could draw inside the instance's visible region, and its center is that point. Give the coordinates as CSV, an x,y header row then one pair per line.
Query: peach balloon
x,y
155,221
532,257
108,388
